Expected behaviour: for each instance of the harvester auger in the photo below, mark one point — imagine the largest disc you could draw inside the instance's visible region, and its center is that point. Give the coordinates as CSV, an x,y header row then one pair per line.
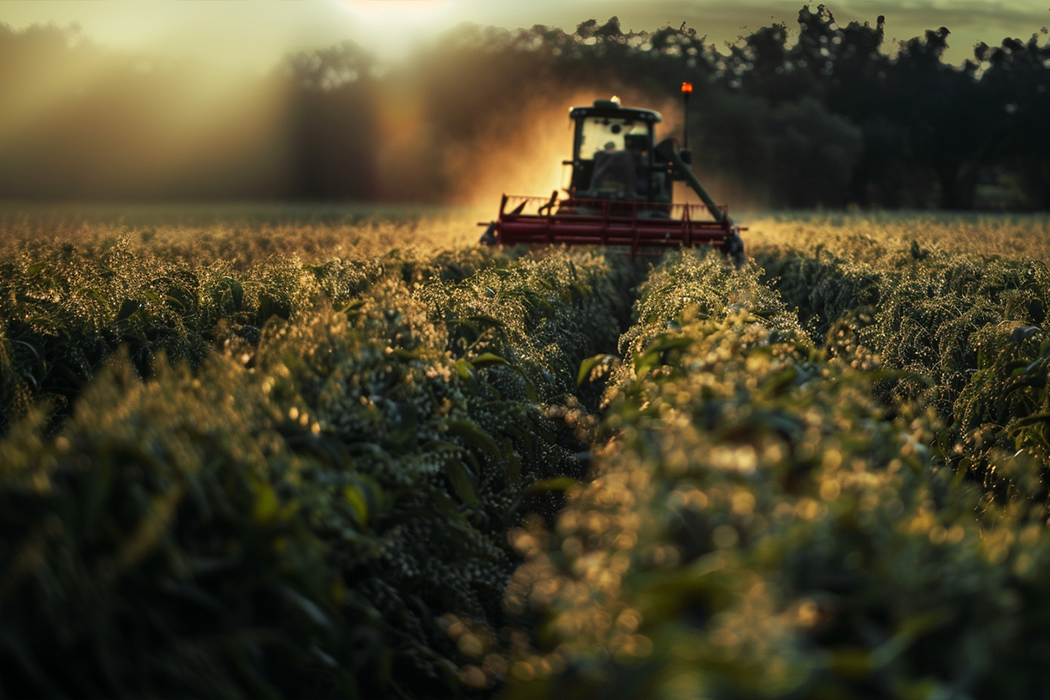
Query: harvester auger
x,y
620,192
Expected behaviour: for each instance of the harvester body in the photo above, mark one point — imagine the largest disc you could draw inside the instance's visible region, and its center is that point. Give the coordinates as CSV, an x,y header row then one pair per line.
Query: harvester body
x,y
619,193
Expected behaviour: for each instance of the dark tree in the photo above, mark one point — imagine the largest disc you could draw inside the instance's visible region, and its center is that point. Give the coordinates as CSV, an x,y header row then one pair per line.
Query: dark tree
x,y
804,115
335,126
1016,83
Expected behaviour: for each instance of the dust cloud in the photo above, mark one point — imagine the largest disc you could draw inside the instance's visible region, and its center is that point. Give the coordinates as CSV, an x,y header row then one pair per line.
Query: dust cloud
x,y
86,123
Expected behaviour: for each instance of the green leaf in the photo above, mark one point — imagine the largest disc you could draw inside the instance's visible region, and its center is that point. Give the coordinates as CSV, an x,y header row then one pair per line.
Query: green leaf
x,y
127,309
469,431
179,299
267,506
585,369
530,389
465,370
32,348
444,502
487,359
353,308
312,609
358,503
1030,420
588,366
230,292
1015,367
462,484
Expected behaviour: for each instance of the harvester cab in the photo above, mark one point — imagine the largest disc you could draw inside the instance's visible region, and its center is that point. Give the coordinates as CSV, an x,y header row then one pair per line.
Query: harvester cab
x,y
620,192
612,153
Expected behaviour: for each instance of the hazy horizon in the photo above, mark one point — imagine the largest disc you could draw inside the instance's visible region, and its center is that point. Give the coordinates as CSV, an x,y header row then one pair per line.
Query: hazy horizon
x,y
256,35
152,99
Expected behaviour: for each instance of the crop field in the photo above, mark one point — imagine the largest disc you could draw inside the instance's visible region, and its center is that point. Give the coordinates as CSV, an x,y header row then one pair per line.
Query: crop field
x,y
294,452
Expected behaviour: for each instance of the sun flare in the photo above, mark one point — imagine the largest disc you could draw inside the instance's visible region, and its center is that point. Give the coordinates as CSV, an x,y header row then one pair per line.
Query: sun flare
x,y
393,27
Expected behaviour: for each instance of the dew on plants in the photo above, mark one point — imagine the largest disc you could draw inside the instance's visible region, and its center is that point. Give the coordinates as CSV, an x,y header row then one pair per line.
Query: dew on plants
x,y
373,459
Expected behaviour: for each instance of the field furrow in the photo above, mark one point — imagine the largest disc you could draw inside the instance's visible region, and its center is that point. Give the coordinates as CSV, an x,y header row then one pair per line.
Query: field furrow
x,y
295,508
760,523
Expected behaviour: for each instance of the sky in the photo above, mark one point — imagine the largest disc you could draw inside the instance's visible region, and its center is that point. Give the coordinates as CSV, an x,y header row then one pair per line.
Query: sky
x,y
255,34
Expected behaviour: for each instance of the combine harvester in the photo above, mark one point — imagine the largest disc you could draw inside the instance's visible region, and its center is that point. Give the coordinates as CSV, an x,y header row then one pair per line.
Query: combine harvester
x,y
620,192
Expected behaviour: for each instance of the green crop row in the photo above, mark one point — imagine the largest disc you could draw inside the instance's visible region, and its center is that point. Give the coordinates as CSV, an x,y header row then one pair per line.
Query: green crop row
x,y
760,524
273,462
65,308
289,516
962,329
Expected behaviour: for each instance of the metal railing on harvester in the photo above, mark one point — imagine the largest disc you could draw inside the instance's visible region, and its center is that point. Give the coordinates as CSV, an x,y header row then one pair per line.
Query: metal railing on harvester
x,y
639,225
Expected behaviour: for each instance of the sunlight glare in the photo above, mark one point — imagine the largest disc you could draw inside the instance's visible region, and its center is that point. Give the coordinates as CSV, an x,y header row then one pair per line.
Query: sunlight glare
x,y
392,28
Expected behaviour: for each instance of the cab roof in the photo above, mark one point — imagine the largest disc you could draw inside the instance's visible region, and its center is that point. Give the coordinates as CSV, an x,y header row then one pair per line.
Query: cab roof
x,y
612,109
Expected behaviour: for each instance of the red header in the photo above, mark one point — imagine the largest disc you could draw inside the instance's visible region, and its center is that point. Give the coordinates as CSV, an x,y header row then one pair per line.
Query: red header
x,y
687,88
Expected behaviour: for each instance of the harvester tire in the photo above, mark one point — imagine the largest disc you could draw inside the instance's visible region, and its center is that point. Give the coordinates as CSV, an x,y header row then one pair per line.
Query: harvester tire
x,y
733,248
489,237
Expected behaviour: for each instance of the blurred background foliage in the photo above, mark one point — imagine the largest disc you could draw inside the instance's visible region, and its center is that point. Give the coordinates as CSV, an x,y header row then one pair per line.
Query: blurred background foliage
x,y
800,116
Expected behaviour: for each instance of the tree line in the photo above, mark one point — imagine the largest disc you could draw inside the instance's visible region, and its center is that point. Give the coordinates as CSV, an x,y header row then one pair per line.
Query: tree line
x,y
813,115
